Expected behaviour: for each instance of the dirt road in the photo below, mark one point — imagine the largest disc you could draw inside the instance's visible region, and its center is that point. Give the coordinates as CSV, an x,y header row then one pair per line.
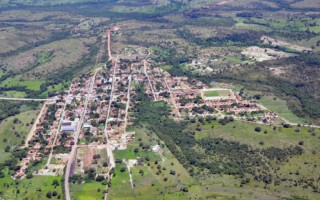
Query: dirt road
x,y
34,126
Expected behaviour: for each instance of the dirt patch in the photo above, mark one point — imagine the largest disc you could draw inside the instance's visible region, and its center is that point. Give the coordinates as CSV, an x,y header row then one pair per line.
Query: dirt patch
x,y
278,70
261,54
275,42
88,157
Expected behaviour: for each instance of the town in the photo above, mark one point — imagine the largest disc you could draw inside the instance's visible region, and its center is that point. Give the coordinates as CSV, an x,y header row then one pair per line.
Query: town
x,y
79,129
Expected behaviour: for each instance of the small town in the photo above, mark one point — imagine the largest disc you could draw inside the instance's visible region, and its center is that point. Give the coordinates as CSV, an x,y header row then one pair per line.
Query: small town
x,y
160,99
94,114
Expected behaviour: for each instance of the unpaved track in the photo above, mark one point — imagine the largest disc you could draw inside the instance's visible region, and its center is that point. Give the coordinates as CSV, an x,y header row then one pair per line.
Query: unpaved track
x,y
58,128
34,126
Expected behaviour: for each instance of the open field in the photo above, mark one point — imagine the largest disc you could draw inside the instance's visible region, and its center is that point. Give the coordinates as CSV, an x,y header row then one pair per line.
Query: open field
x,y
148,183
245,132
15,94
120,185
211,93
278,106
278,137
13,134
37,187
31,85
86,160
87,191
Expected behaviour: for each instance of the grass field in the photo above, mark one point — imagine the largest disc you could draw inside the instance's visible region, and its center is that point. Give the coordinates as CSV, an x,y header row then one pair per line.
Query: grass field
x,y
211,93
150,185
280,137
87,191
217,93
8,129
120,185
34,188
31,85
280,107
245,133
15,94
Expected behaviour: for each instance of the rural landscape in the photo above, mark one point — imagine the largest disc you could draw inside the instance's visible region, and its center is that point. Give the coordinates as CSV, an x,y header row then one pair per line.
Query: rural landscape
x,y
160,99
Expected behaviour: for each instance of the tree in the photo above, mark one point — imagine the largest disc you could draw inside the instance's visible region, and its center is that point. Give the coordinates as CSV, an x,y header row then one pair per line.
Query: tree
x,y
123,169
29,175
55,183
257,129
49,195
172,172
7,149
54,193
100,178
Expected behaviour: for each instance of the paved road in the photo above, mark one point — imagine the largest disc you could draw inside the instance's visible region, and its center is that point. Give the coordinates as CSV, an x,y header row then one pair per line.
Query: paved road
x,y
128,102
22,99
109,148
150,85
76,137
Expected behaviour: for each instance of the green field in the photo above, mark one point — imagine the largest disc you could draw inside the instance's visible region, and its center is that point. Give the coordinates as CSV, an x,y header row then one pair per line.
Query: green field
x,y
150,185
217,93
280,107
211,93
120,184
279,137
13,134
87,191
34,188
15,94
245,133
31,85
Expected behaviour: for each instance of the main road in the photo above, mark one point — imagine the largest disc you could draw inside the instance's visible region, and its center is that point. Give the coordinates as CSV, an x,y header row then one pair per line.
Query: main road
x,y
76,137
22,99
